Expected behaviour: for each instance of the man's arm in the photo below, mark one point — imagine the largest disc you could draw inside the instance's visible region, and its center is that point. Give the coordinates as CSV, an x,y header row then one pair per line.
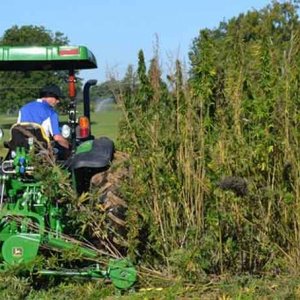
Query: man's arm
x,y
61,140
54,127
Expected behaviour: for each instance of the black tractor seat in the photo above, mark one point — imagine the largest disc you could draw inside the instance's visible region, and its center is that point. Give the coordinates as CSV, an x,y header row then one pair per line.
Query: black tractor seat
x,y
22,133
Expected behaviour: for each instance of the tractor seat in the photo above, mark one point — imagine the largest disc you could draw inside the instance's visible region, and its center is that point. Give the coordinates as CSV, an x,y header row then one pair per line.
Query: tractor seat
x,y
24,134
99,154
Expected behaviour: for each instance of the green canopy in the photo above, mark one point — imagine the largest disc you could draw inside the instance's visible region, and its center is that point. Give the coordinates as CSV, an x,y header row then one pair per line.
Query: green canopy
x,y
16,58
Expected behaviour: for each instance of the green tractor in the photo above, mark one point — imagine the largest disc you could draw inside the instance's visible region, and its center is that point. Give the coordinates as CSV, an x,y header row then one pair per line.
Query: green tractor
x,y
31,224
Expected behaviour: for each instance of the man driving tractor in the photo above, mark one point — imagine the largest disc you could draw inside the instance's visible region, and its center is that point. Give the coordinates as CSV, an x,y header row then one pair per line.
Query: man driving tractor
x,y
41,111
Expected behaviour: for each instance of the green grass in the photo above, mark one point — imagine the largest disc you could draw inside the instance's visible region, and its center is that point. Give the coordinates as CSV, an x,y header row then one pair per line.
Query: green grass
x,y
5,124
104,123
237,288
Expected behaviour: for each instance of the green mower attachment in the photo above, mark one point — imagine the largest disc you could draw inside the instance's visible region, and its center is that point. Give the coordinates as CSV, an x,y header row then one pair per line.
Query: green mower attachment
x,y
30,223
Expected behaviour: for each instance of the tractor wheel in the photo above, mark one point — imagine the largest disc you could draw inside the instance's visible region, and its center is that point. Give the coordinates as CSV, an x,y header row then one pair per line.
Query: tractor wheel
x,y
110,202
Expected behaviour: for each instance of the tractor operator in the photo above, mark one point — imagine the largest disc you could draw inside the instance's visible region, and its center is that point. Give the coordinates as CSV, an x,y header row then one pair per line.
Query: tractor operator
x,y
41,111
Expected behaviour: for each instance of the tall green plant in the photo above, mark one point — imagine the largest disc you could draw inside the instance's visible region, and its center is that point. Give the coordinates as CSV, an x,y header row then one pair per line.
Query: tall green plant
x,y
215,185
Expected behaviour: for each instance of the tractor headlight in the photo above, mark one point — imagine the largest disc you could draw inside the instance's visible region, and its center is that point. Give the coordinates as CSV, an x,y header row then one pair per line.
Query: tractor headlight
x,y
66,131
1,133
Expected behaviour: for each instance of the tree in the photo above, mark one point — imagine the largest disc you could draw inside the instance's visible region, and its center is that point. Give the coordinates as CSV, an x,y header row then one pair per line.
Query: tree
x,y
129,82
105,89
144,88
16,88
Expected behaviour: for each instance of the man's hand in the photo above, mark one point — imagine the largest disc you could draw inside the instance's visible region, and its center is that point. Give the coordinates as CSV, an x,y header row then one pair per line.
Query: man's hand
x,y
61,141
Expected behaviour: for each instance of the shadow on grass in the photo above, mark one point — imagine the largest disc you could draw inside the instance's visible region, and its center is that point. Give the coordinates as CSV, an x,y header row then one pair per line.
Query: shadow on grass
x,y
6,125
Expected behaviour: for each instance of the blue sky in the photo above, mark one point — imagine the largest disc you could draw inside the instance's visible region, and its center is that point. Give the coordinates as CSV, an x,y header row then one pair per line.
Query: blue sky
x,y
115,30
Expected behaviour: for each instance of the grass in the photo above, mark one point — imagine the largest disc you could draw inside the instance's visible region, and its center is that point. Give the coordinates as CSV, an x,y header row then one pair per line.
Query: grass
x,y
104,123
5,123
237,288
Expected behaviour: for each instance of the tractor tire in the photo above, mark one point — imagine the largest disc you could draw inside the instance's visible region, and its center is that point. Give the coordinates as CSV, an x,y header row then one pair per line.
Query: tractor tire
x,y
110,201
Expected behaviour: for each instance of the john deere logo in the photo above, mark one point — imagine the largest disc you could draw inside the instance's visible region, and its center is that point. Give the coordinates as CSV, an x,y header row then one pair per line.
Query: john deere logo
x,y
17,251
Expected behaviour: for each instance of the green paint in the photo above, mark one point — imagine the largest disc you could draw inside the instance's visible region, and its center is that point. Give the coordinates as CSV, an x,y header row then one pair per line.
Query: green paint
x,y
122,273
46,58
85,147
20,248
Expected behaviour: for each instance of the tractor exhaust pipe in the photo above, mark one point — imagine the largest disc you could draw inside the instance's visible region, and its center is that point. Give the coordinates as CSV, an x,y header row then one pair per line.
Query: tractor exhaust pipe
x,y
86,97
